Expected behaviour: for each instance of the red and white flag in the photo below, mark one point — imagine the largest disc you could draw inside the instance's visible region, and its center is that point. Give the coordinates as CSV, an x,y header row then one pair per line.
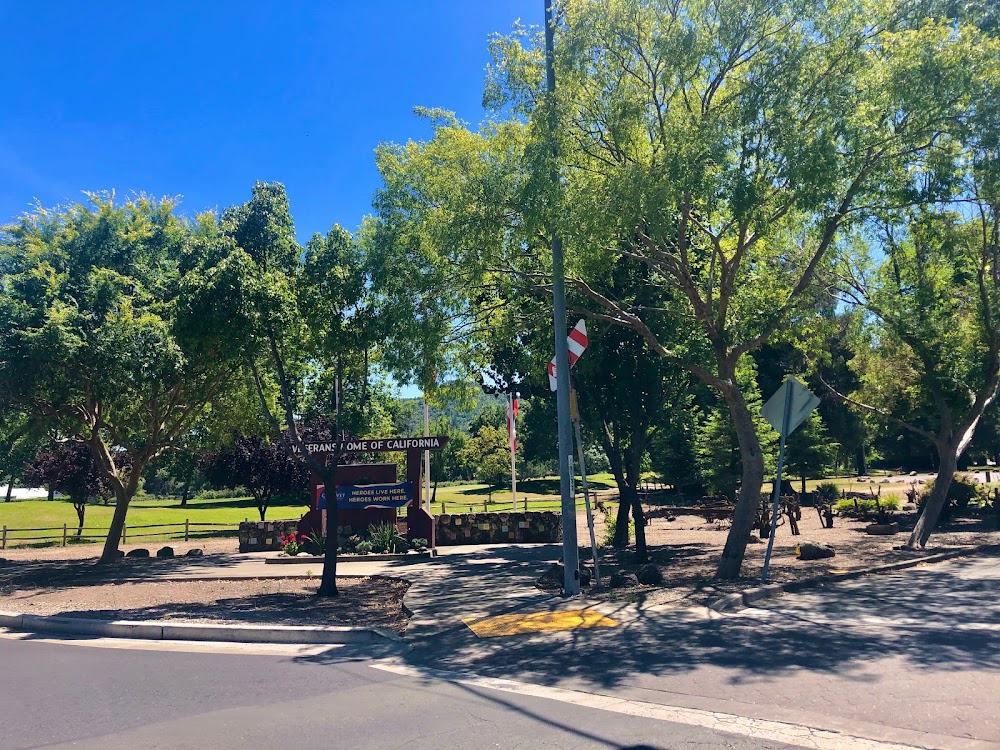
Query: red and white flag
x,y
577,342
512,423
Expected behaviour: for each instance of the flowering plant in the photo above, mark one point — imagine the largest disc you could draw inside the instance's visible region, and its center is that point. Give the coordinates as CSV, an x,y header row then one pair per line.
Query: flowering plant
x,y
292,544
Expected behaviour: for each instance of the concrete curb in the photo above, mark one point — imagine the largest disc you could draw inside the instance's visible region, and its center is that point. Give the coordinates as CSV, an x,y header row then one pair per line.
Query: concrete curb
x,y
191,631
749,596
318,559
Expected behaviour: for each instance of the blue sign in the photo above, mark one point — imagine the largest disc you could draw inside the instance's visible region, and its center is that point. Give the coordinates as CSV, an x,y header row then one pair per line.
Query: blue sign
x,y
396,495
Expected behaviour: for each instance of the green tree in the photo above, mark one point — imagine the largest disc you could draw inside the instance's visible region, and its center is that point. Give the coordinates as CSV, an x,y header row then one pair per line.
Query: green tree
x,y
726,145
723,145
809,451
488,453
717,445
99,338
928,352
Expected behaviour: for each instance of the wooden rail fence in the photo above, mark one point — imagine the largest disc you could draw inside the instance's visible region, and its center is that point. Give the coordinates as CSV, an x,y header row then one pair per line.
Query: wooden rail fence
x,y
68,532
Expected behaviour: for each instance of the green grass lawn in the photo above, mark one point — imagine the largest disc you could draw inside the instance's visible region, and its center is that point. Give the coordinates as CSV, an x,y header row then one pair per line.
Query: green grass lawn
x,y
542,495
23,514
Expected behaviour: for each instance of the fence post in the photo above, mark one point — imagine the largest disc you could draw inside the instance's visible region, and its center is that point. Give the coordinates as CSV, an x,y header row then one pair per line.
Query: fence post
x,y
123,533
4,544
444,508
187,523
525,503
64,535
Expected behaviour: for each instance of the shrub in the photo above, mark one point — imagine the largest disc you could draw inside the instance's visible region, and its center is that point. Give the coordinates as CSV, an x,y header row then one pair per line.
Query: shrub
x,y
826,493
962,491
314,544
419,543
385,537
866,507
363,548
221,494
293,544
611,525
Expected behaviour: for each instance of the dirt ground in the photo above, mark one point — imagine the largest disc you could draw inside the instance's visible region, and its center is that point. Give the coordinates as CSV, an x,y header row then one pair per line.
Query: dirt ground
x,y
687,550
84,551
369,602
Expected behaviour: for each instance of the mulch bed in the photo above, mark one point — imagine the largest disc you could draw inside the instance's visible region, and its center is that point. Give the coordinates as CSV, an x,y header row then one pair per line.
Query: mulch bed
x,y
78,589
687,552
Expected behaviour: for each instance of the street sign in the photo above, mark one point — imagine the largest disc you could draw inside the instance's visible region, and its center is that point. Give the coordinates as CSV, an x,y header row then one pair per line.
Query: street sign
x,y
784,411
577,342
801,404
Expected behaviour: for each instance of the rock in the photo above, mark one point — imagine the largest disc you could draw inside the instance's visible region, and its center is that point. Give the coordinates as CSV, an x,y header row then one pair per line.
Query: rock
x,y
165,552
120,553
649,574
138,553
913,473
814,550
622,578
882,529
585,575
671,518
194,553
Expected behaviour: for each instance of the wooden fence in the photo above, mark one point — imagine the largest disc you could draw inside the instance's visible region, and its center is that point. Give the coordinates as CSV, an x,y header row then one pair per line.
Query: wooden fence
x,y
66,533
524,503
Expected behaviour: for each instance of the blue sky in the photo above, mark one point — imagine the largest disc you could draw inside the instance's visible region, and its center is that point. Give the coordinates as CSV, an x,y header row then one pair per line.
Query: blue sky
x,y
200,99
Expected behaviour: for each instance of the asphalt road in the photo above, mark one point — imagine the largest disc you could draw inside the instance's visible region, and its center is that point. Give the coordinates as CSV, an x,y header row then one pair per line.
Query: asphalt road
x,y
106,698
889,662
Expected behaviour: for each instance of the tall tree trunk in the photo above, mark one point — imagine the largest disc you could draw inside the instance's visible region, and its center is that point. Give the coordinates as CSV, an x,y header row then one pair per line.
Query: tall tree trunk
x,y
733,553
633,473
81,509
184,494
52,493
10,489
803,484
947,464
122,500
328,584
626,493
262,503
434,492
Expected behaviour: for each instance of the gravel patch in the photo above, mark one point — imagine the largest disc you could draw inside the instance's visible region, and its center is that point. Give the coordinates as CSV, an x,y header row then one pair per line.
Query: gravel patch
x,y
687,551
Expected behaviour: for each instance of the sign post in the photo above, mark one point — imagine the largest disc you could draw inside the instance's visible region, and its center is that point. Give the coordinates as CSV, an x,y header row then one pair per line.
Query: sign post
x,y
575,415
784,411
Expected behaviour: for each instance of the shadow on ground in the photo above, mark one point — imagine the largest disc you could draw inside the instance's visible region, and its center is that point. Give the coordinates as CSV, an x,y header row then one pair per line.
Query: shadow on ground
x,y
941,615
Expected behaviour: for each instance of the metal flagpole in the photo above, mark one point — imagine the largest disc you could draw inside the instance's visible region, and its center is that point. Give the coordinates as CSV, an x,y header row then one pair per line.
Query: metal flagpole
x,y
427,459
512,442
571,552
777,482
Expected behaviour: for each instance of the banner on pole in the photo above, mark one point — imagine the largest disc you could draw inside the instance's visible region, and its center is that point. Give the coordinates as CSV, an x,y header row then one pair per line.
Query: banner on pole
x,y
577,342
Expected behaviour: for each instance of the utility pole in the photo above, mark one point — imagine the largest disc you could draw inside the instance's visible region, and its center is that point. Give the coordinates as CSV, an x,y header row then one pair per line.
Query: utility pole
x,y
571,551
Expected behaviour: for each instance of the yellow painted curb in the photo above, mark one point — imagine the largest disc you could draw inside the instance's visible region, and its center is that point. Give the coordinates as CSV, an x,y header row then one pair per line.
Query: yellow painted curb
x,y
537,622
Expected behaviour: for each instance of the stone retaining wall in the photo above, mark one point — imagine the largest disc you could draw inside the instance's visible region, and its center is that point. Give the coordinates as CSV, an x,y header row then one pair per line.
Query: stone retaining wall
x,y
494,528
263,536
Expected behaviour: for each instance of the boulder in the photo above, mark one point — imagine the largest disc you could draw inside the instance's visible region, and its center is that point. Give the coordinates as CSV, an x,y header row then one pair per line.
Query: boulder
x,y
194,553
585,575
165,552
649,574
120,553
140,552
882,529
814,550
622,578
